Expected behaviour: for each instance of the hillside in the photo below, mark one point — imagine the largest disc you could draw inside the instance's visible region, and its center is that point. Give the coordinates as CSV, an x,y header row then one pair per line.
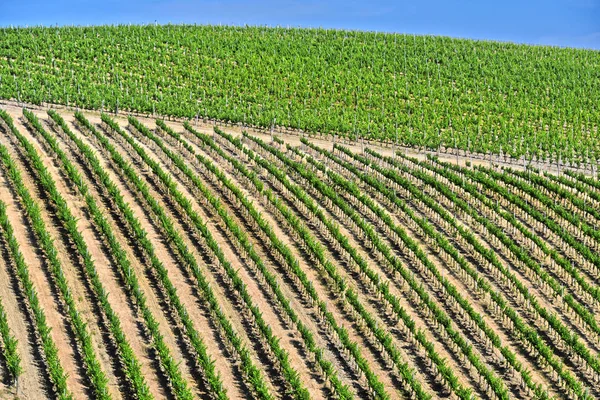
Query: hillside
x,y
421,91
266,213
150,259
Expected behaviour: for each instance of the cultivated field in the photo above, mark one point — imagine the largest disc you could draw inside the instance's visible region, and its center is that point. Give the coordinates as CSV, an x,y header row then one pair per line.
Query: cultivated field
x,y
428,92
151,259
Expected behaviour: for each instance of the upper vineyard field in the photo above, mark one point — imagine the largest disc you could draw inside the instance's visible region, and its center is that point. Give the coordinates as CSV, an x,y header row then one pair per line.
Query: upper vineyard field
x,y
422,91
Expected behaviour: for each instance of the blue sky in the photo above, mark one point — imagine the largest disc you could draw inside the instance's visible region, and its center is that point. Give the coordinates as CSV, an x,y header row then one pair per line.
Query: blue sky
x,y
573,23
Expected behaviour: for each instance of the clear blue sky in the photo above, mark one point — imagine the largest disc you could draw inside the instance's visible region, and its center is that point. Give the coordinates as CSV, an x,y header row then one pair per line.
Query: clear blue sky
x,y
573,23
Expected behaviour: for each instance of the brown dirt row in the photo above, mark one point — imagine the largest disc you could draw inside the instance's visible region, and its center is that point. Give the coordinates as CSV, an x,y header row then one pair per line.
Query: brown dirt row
x,y
293,136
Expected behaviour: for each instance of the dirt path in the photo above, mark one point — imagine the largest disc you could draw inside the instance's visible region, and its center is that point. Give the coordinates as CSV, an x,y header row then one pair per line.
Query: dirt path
x,y
293,136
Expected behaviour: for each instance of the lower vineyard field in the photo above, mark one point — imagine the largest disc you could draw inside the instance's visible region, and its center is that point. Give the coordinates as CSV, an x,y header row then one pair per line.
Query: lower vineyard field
x,y
151,259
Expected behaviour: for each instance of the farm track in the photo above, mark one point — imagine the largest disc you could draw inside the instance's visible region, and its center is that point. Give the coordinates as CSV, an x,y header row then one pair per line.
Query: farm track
x,y
561,298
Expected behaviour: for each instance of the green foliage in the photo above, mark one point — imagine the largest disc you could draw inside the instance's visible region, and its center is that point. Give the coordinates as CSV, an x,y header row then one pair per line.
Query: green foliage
x,y
422,91
9,349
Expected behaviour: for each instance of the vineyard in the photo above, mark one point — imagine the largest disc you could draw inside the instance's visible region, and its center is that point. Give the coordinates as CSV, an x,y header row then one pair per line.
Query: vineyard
x,y
148,258
427,92
271,213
